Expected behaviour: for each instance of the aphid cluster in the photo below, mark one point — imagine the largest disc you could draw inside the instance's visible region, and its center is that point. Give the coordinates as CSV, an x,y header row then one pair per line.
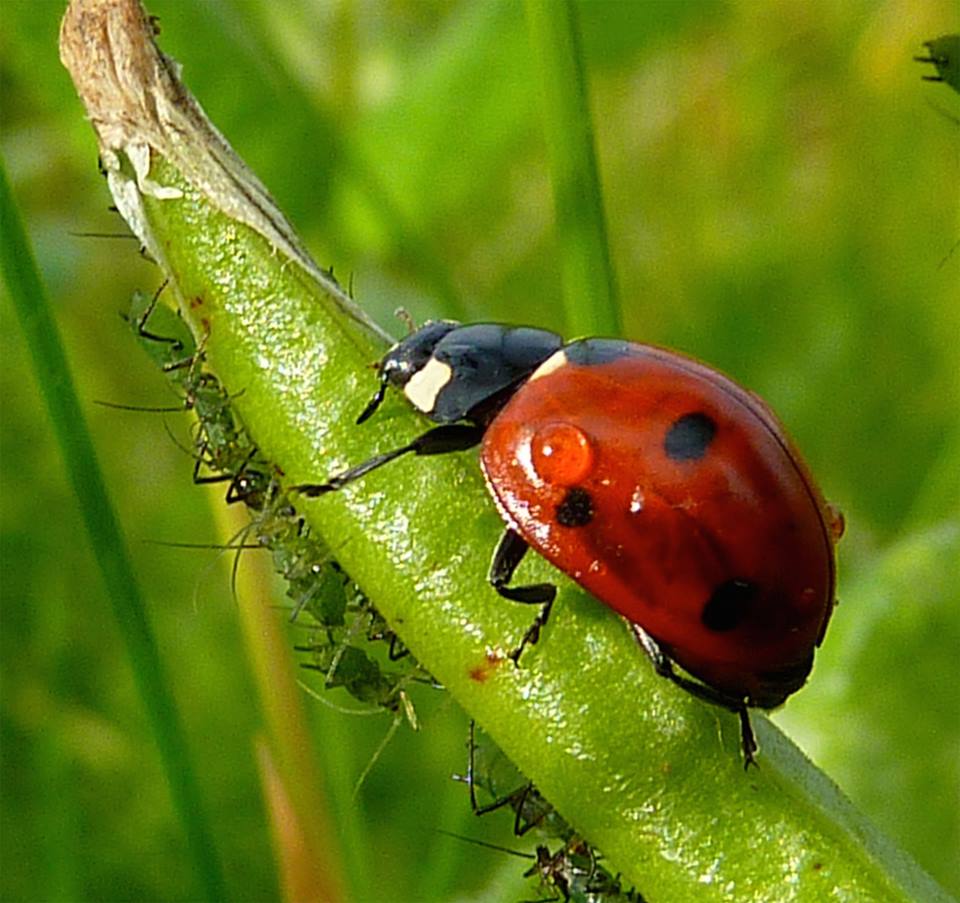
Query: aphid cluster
x,y
341,623
565,865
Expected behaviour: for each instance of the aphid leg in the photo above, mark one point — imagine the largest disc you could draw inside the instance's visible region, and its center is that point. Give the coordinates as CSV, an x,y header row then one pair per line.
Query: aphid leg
x,y
438,441
663,665
517,799
397,650
471,777
141,323
507,556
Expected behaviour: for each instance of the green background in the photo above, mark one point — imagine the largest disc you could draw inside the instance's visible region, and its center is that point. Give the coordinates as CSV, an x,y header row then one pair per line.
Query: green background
x,y
782,201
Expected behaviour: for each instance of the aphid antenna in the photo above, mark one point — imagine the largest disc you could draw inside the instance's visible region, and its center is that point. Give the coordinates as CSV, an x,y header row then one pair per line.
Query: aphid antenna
x,y
485,843
300,625
187,451
127,236
516,799
234,543
377,753
140,409
235,566
220,547
352,633
374,711
427,681
302,602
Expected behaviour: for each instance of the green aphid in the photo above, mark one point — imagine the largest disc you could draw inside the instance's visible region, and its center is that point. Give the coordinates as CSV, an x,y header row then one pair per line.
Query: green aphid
x,y
167,341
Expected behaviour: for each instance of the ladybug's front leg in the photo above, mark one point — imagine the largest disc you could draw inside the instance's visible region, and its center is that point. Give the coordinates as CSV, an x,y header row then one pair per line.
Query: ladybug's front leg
x,y
663,665
438,441
509,553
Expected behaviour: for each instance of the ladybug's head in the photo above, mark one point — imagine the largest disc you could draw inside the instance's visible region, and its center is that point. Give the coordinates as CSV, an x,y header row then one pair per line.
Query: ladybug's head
x,y
407,357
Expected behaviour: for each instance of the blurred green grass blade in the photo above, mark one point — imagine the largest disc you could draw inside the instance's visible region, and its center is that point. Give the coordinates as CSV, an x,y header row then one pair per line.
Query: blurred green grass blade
x,y
348,167
308,850
939,495
589,285
53,375
52,766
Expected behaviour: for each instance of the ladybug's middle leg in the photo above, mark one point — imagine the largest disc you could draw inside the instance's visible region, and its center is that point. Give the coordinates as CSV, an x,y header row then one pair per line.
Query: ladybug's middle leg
x,y
509,553
663,665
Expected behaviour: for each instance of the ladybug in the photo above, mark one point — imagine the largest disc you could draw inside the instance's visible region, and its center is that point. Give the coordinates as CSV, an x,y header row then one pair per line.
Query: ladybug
x,y
657,483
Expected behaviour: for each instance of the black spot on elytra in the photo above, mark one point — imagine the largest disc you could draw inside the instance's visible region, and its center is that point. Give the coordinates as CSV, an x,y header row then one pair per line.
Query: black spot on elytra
x,y
689,437
576,509
729,605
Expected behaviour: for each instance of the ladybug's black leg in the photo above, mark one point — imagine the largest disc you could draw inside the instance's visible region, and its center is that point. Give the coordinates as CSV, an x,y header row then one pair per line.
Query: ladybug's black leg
x,y
450,438
748,742
663,665
509,553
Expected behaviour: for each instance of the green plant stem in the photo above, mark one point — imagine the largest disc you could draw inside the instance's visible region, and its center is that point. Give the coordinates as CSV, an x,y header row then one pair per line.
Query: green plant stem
x,y
589,284
26,291
648,774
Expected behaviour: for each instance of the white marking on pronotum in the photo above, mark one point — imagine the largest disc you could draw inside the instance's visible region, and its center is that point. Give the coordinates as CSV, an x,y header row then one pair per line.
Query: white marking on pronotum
x,y
427,383
556,360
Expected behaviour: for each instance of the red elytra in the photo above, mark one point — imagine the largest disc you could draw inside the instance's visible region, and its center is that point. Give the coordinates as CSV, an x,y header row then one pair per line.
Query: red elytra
x,y
665,532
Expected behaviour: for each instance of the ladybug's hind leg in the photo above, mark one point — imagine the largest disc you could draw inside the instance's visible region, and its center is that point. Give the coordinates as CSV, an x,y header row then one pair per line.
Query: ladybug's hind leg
x,y
508,555
663,665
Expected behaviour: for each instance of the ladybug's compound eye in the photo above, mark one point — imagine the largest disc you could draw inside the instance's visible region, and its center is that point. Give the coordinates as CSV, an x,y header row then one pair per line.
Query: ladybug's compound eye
x,y
562,454
412,354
